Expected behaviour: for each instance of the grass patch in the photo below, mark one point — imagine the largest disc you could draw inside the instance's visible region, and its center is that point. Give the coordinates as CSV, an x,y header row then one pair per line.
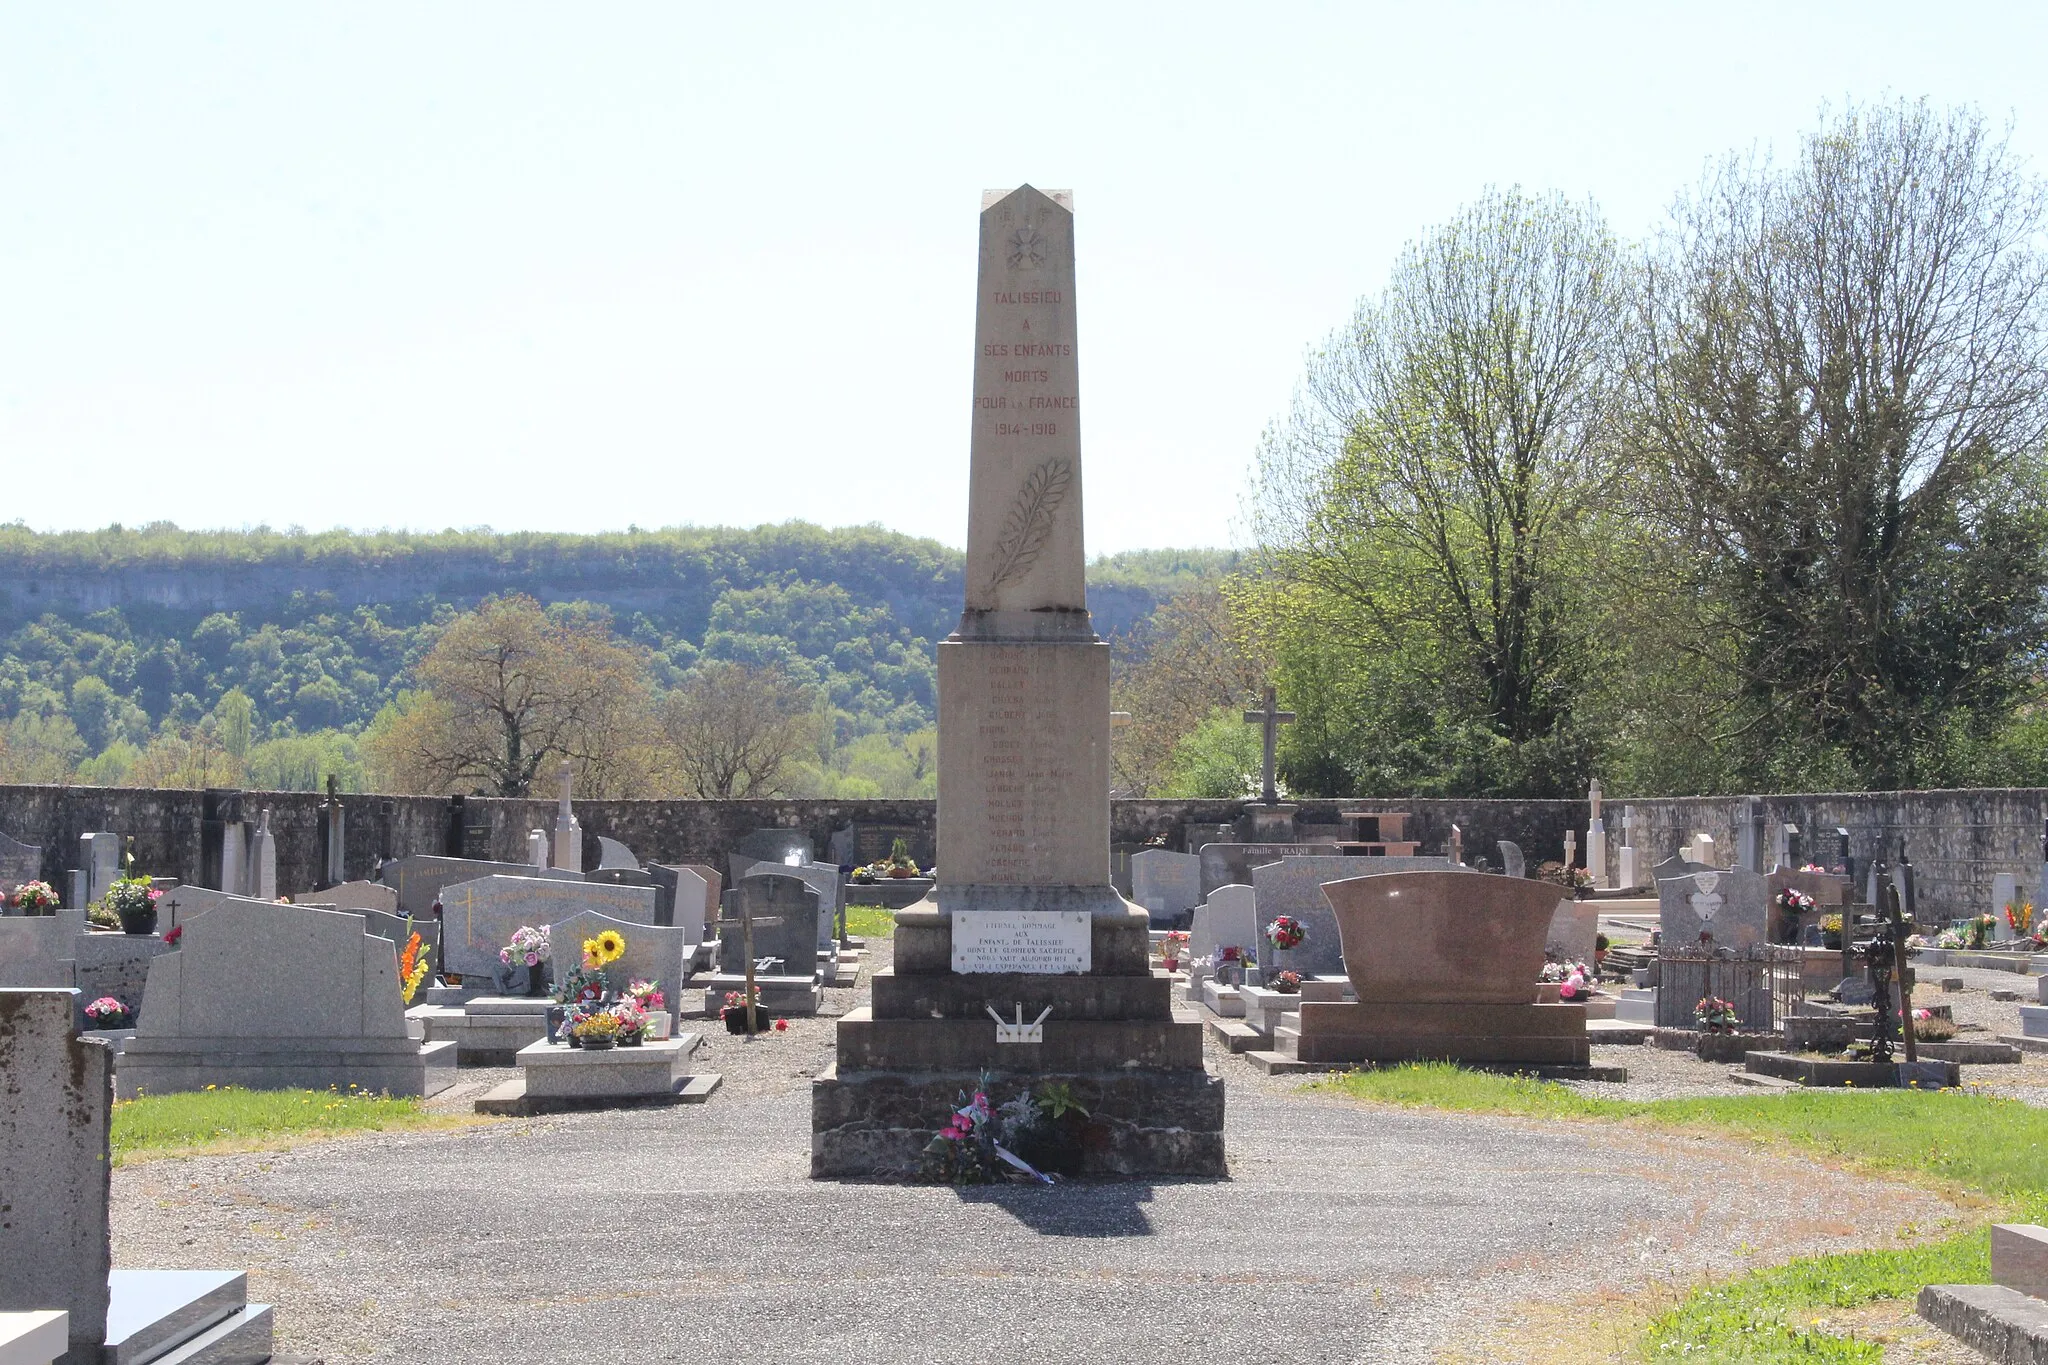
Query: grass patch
x,y
870,921
1993,1149
213,1120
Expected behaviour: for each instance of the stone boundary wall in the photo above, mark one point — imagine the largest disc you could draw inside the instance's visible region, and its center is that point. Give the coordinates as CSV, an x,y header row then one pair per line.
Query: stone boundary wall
x,y
1958,840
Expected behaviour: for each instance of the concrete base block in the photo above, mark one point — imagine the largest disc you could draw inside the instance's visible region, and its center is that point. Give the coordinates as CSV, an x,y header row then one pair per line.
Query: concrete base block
x,y
796,995
1120,941
1453,1032
1142,1123
397,1066
510,1099
1996,1322
554,1070
870,1044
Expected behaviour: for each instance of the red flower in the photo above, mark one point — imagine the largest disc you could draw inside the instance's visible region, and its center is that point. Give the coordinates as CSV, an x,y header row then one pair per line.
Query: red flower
x,y
782,1025
177,932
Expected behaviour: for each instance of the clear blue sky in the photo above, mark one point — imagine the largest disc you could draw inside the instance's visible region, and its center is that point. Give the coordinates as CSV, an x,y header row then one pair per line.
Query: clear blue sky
x,y
576,267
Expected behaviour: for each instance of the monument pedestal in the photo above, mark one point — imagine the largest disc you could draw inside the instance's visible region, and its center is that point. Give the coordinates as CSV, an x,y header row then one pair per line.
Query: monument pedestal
x,y
1461,1031
1112,1038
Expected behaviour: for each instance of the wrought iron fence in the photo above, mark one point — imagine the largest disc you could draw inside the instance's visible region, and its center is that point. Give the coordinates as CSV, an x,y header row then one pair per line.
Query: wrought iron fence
x,y
1764,984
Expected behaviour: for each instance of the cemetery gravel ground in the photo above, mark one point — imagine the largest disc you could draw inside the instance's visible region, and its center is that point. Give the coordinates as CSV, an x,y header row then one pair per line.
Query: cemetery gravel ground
x,y
1346,1233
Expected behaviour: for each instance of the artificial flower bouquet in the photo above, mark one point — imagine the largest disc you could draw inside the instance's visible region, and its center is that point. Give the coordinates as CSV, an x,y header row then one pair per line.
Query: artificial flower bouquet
x,y
1287,983
1715,1015
1171,947
529,948
35,898
1286,932
1574,980
412,968
107,1012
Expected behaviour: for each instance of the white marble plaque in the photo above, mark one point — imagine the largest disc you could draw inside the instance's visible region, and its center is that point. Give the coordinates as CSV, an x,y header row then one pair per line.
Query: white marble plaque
x,y
1037,942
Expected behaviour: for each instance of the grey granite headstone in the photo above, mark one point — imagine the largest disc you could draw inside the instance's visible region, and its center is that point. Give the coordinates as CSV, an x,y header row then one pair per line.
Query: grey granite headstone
x,y
613,854
1294,887
1228,919
399,929
1512,863
56,1098
690,903
1232,864
99,857
825,879
421,877
1573,930
354,896
1166,883
788,899
271,996
652,952
116,965
39,952
479,917
1729,904
768,846
19,863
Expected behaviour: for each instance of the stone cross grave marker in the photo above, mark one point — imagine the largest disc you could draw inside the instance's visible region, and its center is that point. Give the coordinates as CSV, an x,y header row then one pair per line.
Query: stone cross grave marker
x,y
746,919
1269,717
568,833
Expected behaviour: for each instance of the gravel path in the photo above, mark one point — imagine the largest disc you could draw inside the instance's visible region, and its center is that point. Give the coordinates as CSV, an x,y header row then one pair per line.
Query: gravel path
x,y
1345,1233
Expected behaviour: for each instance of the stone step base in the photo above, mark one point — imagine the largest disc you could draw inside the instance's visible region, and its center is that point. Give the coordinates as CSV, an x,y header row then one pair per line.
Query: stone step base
x,y
2024,1042
866,1043
1999,1323
245,1337
875,1125
1278,1063
1618,1032
510,1099
1972,1052
1236,1035
1758,1081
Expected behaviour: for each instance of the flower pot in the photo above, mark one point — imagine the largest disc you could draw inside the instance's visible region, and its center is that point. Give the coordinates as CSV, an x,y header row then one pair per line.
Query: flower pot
x,y
630,1039
1172,964
899,872
659,1025
599,1044
139,922
736,1020
537,979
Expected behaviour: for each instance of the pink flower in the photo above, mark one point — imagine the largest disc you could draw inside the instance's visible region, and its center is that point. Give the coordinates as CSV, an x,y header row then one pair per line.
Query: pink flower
x,y
533,959
505,956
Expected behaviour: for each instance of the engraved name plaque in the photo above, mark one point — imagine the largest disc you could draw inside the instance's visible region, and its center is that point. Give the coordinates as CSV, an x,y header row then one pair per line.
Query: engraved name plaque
x,y
1036,942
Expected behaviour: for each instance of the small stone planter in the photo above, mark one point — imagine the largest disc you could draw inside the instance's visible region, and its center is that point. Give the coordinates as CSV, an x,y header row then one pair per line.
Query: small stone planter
x,y
1835,1071
1715,1047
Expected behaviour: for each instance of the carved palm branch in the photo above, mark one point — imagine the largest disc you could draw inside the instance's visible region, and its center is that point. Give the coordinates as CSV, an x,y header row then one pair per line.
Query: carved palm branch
x,y
1030,521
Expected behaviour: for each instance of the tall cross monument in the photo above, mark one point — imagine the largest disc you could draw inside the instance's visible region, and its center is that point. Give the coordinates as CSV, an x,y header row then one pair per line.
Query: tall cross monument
x,y
1270,718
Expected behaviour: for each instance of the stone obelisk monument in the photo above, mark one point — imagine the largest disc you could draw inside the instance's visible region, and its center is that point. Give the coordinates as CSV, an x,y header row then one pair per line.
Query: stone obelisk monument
x,y
1024,925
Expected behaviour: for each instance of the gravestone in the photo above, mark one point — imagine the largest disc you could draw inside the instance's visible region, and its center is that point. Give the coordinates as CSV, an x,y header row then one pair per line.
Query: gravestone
x,y
1730,905
795,908
611,854
19,863
1596,838
1232,864
1166,884
2005,890
479,917
1228,919
261,881
768,846
39,952
1700,850
56,1095
99,857
1294,886
857,845
1573,930
1512,863
568,833
419,878
537,847
823,878
685,901
1828,891
114,964
354,896
398,931
269,996
652,952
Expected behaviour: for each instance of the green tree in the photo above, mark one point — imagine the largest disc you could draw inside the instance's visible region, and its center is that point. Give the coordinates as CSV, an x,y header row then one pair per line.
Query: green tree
x,y
1431,516
1845,381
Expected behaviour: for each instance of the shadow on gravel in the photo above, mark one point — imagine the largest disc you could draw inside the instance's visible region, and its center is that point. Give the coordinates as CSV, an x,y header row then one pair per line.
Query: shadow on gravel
x,y
1105,1210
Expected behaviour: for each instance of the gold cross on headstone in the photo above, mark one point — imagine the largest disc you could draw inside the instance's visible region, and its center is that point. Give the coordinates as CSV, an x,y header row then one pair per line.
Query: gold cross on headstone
x,y
1271,717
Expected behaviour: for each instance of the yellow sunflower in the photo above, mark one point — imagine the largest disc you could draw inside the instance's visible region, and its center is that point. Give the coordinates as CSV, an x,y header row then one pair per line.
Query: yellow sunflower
x,y
591,960
611,946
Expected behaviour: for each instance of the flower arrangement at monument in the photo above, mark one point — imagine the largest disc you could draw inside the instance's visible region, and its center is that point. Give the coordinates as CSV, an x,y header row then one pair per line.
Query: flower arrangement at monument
x,y
1950,938
632,1021
899,864
735,1013
1793,901
1171,947
1930,1027
529,948
1981,928
412,968
35,898
1715,1015
1286,932
581,988
1287,983
107,1012
133,901
2019,917
646,994
1831,931
597,1031
1574,980
603,950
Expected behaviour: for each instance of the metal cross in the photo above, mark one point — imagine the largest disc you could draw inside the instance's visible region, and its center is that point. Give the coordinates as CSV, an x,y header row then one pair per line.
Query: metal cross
x,y
1271,718
746,921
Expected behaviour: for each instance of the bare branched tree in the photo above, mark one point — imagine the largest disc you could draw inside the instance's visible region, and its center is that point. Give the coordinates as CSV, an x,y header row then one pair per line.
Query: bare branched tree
x,y
1845,375
736,731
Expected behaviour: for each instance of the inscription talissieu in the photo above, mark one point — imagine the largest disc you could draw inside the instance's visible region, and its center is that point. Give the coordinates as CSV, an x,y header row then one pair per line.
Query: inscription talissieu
x,y
1032,942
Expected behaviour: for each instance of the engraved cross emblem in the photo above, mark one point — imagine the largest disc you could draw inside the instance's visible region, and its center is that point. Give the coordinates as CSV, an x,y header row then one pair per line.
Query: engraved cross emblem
x,y
1026,248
